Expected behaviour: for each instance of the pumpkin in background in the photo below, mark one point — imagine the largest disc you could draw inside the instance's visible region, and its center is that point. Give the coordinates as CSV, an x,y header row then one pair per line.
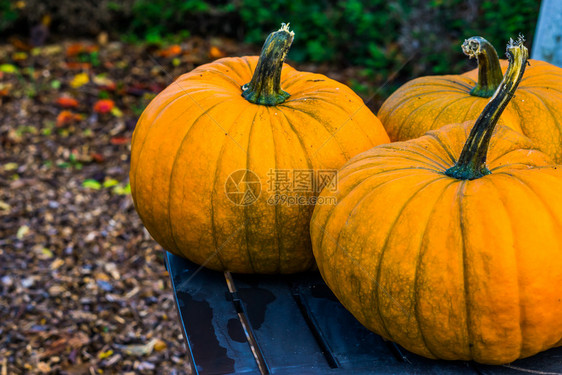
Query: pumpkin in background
x,y
430,102
456,259
194,142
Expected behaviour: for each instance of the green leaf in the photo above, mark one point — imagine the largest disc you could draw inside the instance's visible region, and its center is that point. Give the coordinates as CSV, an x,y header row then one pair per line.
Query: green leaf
x,y
91,184
110,183
120,190
8,68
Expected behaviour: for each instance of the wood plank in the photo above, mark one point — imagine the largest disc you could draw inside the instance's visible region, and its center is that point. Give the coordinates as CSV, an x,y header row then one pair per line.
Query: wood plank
x,y
281,330
356,348
214,335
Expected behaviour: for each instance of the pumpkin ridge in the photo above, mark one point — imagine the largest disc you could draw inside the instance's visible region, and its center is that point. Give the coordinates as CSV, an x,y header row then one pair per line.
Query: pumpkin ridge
x,y
548,75
445,108
551,213
517,261
249,65
406,120
246,217
180,146
549,109
341,198
418,265
234,69
298,136
276,207
158,114
453,82
382,116
509,166
337,240
439,165
529,88
443,146
150,207
331,133
460,201
214,191
384,247
294,78
350,116
214,71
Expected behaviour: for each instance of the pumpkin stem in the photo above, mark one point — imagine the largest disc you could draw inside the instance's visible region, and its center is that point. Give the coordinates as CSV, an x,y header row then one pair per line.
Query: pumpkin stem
x,y
489,69
472,161
265,86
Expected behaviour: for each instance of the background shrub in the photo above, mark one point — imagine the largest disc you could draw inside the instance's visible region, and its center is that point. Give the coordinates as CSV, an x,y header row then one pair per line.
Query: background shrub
x,y
379,35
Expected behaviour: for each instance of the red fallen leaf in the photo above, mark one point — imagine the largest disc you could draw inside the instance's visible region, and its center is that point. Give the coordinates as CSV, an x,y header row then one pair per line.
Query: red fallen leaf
x,y
104,106
171,51
98,158
67,102
74,49
66,117
119,140
216,53
72,65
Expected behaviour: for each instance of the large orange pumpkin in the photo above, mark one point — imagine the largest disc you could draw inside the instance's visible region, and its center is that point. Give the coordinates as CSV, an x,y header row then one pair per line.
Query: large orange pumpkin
x,y
430,102
450,256
212,151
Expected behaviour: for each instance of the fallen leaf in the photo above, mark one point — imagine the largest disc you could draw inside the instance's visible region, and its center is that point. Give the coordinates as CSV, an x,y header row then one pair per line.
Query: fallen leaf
x,y
104,106
19,56
74,65
10,166
160,345
22,232
216,53
79,80
66,117
119,140
103,82
105,354
138,350
91,184
4,206
110,183
116,112
8,68
67,102
171,51
57,263
98,158
120,190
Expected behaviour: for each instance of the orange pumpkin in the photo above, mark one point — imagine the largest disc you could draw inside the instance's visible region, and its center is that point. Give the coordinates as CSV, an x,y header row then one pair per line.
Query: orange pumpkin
x,y
450,256
430,102
212,151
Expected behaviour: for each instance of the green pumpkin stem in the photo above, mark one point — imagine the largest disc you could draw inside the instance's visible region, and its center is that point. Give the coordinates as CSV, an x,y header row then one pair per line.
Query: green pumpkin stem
x,y
489,69
472,161
265,86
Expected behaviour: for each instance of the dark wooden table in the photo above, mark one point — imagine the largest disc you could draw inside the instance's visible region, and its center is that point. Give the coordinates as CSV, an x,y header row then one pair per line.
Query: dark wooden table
x,y
242,324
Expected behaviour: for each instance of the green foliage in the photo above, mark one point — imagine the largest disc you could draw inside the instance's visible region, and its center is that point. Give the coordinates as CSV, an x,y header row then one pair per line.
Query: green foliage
x,y
414,37
8,14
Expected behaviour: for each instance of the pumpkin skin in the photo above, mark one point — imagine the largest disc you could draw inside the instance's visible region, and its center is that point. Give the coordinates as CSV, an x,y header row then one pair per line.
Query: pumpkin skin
x,y
431,102
200,130
457,269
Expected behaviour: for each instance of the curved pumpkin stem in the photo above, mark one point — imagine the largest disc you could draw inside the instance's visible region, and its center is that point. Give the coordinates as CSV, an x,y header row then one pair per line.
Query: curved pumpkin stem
x,y
472,161
489,69
265,86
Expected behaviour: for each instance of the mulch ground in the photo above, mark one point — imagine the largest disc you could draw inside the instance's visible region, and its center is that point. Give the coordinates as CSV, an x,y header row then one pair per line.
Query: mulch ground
x,y
83,287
